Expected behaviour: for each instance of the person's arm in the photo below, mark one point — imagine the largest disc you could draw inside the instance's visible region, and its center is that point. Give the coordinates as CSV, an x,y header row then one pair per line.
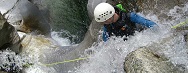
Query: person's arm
x,y
141,20
105,35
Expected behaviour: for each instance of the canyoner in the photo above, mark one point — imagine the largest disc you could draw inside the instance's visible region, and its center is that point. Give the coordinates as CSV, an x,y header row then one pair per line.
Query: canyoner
x,y
117,21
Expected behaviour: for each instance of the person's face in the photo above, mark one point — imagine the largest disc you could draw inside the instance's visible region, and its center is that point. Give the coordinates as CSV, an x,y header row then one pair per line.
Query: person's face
x,y
113,19
109,21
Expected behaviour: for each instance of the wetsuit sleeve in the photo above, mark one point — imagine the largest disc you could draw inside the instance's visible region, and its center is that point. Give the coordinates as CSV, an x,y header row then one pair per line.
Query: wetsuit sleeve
x,y
141,20
105,35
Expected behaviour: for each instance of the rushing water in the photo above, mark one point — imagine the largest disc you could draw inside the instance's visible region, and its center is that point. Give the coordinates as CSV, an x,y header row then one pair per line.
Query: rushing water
x,y
60,40
9,61
108,57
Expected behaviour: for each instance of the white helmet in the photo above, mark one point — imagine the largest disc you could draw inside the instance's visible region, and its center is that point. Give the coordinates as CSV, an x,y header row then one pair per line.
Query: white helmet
x,y
103,12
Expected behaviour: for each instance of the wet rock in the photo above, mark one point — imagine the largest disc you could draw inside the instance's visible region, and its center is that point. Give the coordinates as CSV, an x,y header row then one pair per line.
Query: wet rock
x,y
46,51
158,7
92,33
91,6
2,72
6,5
9,38
43,7
50,52
2,21
144,60
25,17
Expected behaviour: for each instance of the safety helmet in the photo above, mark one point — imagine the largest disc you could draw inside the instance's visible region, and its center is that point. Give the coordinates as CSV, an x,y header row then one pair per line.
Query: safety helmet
x,y
103,12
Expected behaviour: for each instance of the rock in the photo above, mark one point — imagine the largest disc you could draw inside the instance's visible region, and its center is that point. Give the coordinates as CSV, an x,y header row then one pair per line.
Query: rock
x,y
44,51
43,7
2,21
2,72
50,52
92,33
7,5
24,12
159,7
9,38
91,6
144,60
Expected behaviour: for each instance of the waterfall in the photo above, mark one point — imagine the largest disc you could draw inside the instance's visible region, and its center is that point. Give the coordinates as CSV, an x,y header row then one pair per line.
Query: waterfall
x,y
102,57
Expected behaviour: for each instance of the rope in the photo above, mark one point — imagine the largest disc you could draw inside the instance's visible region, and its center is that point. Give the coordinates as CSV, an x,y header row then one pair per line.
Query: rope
x,y
180,24
66,61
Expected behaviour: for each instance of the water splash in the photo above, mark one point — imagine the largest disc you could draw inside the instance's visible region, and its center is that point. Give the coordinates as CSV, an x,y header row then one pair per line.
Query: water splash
x,y
9,61
62,41
108,57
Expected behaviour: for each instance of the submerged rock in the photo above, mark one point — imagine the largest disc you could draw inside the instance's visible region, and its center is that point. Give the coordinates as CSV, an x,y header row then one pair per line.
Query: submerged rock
x,y
45,51
144,60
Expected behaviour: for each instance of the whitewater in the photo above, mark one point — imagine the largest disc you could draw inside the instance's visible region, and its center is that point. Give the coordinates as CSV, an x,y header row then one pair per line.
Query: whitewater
x,y
109,57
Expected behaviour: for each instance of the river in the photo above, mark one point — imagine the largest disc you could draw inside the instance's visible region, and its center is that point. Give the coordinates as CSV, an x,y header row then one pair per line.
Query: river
x,y
108,57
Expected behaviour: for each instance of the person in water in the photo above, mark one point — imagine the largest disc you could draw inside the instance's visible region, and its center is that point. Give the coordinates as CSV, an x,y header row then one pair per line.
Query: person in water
x,y
118,22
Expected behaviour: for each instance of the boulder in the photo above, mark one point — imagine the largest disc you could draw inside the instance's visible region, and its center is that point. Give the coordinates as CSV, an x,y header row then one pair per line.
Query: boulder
x,y
91,6
144,60
25,17
50,52
6,6
9,38
44,51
